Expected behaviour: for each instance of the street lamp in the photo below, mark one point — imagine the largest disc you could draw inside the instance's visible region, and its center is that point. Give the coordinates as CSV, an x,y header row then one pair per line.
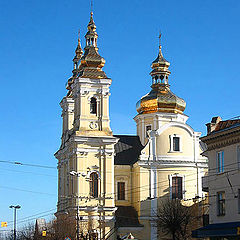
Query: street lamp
x,y
78,174
14,218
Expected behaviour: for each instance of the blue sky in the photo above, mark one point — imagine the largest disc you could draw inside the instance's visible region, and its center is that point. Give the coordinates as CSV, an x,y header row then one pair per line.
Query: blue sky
x,y
38,38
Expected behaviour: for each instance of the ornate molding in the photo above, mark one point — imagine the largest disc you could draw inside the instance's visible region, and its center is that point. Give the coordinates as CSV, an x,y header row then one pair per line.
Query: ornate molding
x,y
222,142
93,125
84,92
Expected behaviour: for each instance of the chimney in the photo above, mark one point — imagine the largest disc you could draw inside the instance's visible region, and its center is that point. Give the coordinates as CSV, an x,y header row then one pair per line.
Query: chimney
x,y
212,125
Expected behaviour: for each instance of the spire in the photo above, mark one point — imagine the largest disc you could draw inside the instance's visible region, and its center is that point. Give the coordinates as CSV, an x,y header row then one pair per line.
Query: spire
x,y
160,67
78,55
91,6
91,36
160,57
79,50
91,62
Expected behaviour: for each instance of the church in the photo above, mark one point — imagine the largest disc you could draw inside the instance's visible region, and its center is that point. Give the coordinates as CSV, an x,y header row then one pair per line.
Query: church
x,y
112,185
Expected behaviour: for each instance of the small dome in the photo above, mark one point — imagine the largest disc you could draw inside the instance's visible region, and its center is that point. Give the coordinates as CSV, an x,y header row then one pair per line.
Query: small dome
x,y
160,99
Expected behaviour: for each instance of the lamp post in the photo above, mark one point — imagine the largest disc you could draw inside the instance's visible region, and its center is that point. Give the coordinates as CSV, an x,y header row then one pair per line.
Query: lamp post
x,y
14,218
77,174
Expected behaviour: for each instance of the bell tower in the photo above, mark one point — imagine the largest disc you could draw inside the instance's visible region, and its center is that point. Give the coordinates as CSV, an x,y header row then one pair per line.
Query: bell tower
x,y
86,154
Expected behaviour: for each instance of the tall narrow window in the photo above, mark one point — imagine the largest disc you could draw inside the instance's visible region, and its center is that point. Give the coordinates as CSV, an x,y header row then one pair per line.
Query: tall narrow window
x,y
94,185
121,190
220,162
238,157
177,187
148,128
176,144
221,203
93,105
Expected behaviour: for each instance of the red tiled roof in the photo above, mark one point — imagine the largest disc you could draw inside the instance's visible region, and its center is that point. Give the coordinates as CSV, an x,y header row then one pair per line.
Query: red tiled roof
x,y
226,124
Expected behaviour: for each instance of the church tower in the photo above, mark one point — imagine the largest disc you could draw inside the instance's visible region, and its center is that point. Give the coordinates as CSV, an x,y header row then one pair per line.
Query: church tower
x,y
86,155
170,161
160,105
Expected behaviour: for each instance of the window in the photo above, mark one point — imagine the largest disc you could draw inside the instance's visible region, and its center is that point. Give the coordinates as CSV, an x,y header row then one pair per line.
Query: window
x,y
239,201
238,157
121,190
176,144
94,185
177,187
220,162
93,105
221,203
148,128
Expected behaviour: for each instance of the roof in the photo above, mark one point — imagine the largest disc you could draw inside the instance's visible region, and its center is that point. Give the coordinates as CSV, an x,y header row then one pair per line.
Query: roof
x,y
127,150
217,230
126,216
226,124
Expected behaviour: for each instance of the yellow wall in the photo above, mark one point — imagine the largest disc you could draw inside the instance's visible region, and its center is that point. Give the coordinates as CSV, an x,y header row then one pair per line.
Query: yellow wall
x,y
186,142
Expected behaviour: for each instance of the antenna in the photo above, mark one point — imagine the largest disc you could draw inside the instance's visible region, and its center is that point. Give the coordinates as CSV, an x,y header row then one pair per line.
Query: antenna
x,y
78,33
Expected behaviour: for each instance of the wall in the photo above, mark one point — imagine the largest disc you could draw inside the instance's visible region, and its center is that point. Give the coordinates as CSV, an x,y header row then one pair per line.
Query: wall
x,y
219,182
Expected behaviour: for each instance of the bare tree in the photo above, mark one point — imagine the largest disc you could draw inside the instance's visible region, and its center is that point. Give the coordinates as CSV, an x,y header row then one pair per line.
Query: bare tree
x,y
26,232
175,219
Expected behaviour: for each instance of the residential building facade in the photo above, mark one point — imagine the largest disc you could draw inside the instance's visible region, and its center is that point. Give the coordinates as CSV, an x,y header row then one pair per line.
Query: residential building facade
x,y
223,180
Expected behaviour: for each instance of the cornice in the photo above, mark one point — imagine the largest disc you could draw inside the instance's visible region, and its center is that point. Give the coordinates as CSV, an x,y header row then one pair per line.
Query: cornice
x,y
95,141
222,139
97,81
171,164
178,117
172,161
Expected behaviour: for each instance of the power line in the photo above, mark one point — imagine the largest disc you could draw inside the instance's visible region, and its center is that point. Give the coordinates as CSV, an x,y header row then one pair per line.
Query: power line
x,y
35,214
31,219
27,164
82,170
131,189
29,191
35,173
158,184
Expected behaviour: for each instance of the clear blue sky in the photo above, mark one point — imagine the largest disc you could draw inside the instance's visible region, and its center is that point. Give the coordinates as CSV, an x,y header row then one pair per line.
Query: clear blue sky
x,y
37,43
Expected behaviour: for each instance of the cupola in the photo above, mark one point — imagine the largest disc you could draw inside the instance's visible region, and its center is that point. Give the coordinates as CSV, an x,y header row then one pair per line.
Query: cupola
x,y
160,98
91,62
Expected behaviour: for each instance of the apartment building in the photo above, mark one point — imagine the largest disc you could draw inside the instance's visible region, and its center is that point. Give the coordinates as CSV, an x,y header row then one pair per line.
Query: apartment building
x,y
223,180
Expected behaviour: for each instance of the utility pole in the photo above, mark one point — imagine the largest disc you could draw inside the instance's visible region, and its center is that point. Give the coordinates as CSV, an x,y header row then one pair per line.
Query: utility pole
x,y
14,219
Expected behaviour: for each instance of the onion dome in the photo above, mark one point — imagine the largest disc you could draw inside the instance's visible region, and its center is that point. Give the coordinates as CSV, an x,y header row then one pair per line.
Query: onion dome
x,y
91,62
160,99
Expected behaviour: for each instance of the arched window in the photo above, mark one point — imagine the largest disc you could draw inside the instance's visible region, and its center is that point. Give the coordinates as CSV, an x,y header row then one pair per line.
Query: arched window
x,y
93,105
94,185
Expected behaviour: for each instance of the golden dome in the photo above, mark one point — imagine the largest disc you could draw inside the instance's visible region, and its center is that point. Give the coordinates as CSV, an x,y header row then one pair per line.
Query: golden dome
x,y
160,99
91,62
